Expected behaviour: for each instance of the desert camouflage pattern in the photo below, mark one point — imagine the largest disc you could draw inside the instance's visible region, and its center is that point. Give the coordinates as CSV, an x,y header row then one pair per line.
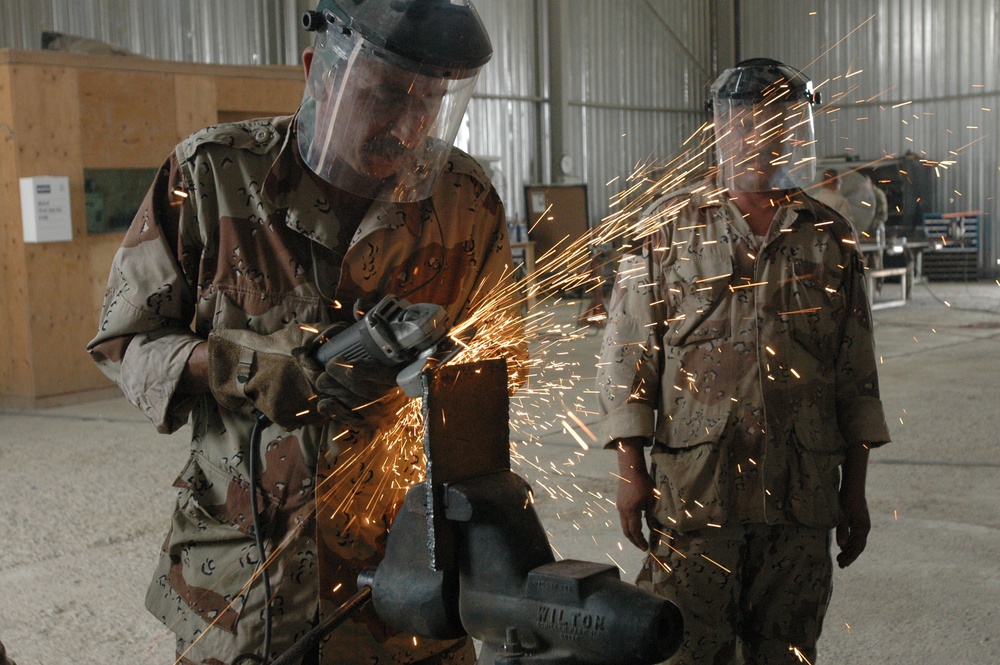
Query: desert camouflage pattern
x,y
729,620
236,233
750,363
4,659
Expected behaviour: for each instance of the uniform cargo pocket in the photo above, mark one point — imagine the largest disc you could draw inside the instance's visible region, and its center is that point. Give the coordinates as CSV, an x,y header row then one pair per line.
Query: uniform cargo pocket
x,y
689,423
820,435
211,548
222,497
814,477
688,480
815,308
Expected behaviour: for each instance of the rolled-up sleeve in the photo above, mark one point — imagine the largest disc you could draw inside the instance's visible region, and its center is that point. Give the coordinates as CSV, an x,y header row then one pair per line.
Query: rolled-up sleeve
x,y
859,409
628,373
144,337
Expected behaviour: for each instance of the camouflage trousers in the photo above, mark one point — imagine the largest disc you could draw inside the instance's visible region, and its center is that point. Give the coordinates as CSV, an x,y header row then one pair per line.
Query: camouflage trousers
x,y
752,594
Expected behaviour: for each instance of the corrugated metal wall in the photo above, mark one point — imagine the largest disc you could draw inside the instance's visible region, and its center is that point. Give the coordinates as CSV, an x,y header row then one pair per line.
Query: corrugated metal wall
x,y
505,115
232,32
637,71
918,75
503,118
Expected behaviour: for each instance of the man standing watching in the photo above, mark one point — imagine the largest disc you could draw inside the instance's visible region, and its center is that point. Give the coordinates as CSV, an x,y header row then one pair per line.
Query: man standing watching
x,y
881,213
253,237
739,351
828,193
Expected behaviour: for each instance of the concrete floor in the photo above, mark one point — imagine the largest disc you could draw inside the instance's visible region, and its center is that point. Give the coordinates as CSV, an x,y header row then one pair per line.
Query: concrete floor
x,y
85,498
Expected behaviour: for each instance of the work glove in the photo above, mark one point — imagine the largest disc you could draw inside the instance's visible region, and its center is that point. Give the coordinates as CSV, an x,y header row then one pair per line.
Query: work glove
x,y
357,383
278,375
274,373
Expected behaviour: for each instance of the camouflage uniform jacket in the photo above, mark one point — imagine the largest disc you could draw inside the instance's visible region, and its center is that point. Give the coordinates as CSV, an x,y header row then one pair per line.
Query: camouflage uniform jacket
x,y
750,367
236,233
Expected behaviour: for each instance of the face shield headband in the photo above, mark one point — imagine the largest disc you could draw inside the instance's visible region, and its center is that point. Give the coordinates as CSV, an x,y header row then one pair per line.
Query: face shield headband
x,y
765,141
374,124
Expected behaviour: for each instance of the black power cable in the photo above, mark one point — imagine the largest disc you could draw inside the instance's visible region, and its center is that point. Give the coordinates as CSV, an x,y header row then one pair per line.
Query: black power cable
x,y
258,427
313,637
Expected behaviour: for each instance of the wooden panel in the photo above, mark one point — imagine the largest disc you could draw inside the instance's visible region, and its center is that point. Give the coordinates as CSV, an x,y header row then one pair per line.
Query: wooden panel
x,y
47,115
197,104
46,121
15,362
61,319
60,113
128,118
252,98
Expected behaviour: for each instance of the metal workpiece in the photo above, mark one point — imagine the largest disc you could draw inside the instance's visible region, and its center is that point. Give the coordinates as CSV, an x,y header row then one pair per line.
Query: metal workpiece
x,y
466,435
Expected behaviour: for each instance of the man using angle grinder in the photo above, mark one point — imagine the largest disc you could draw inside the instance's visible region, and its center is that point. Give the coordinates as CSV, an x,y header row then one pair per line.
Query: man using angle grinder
x,y
257,232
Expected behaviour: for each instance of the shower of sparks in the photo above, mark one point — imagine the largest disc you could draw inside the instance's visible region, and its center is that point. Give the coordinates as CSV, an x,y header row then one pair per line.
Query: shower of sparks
x,y
798,654
582,425
716,563
617,564
572,432
365,480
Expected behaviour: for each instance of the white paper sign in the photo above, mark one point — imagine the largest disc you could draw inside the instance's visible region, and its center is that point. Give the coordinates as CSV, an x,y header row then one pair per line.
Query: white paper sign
x,y
45,212
538,202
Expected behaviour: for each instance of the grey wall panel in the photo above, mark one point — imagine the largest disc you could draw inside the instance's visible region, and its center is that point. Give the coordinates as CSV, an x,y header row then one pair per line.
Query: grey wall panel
x,y
513,69
897,76
638,70
620,147
505,115
506,130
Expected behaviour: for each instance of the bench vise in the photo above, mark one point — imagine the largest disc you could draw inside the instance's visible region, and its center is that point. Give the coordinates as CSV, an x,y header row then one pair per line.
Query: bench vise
x,y
467,553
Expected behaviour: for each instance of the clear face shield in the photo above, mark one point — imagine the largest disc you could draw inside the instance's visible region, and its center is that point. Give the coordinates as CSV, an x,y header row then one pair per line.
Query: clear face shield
x,y
374,124
765,139
764,147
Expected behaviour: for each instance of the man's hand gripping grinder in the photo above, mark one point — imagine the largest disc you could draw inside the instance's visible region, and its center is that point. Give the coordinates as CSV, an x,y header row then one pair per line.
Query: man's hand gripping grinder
x,y
397,334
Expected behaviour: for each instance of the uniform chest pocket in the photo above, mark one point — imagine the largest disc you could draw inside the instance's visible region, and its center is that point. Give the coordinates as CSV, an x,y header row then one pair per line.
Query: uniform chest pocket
x,y
697,296
815,306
